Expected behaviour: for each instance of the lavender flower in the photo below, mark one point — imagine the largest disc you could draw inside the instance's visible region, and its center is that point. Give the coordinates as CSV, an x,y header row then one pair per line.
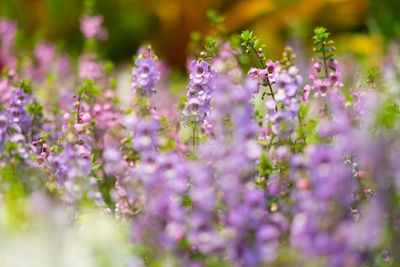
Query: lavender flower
x,y
145,76
200,92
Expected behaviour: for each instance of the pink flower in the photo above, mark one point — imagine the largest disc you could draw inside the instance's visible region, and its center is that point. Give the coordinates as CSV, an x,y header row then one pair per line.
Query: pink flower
x,y
333,64
91,27
78,127
306,93
253,73
86,118
66,116
270,65
334,78
321,86
317,66
8,30
89,68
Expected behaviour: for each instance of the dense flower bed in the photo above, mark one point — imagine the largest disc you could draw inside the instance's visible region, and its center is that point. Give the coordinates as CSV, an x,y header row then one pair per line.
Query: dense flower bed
x,y
283,166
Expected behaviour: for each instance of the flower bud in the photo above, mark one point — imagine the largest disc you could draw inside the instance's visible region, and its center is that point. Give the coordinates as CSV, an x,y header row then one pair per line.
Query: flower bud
x,y
66,116
317,66
39,160
333,64
109,94
302,184
86,118
78,127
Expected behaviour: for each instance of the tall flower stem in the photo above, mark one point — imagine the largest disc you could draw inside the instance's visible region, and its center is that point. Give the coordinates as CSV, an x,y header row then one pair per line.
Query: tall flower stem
x,y
78,109
194,138
324,58
268,81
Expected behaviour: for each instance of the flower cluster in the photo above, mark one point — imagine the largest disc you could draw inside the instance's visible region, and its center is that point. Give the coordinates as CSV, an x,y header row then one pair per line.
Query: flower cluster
x,y
200,92
145,75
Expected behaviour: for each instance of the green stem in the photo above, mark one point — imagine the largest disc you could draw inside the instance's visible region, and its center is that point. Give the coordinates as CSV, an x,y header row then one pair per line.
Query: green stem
x,y
324,57
268,82
302,128
194,138
270,142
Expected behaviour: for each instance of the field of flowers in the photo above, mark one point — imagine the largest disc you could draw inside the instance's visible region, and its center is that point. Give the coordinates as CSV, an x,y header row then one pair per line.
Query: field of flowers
x,y
274,164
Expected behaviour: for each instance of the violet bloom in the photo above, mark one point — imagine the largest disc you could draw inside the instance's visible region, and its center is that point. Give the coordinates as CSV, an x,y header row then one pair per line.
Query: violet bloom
x,y
321,206
287,83
145,135
145,76
18,117
199,94
15,122
201,73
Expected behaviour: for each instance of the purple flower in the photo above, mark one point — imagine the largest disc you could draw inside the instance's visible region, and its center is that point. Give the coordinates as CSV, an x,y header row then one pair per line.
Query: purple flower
x,y
145,135
199,95
201,73
145,76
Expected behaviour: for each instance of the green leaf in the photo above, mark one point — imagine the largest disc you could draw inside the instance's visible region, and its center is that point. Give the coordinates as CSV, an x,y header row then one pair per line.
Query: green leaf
x,y
303,109
96,167
388,114
79,90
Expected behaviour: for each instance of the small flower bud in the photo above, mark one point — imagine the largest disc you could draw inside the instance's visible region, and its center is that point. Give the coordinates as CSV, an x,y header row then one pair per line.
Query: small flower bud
x,y
317,66
293,71
333,64
66,116
86,118
78,127
45,146
109,94
39,160
302,184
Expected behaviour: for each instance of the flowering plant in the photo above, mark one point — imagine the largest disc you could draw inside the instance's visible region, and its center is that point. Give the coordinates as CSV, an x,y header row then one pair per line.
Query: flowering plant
x,y
275,168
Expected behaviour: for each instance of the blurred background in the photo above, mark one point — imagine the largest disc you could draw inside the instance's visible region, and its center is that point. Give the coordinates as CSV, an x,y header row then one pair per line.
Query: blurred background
x,y
362,27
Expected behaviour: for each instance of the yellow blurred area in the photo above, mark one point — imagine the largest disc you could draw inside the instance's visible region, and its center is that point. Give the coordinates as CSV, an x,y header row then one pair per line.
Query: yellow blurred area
x,y
271,20
168,23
